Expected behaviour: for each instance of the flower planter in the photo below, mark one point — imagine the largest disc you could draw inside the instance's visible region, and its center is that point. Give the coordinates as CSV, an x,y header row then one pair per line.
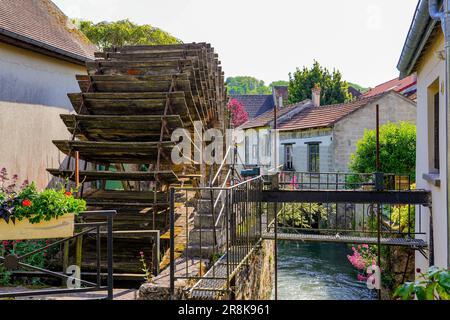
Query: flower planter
x,y
63,227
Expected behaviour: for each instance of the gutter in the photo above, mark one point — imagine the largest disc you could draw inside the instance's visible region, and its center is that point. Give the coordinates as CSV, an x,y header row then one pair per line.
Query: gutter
x,y
40,47
421,28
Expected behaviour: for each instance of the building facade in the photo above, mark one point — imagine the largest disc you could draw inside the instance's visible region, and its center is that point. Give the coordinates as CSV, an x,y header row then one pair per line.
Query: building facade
x,y
423,54
315,138
41,52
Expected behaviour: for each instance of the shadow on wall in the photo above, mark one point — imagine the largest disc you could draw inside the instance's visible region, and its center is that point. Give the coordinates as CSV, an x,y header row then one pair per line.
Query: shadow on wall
x,y
16,90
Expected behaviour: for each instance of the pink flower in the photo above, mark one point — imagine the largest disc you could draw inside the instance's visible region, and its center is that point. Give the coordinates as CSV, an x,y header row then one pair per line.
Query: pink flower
x,y
361,278
5,243
141,254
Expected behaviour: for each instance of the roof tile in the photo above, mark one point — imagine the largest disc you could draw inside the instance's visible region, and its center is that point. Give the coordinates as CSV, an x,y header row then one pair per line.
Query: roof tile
x,y
43,22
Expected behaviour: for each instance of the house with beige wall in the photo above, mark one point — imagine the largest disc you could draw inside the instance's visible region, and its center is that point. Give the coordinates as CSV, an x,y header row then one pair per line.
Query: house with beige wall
x,y
41,51
423,54
320,139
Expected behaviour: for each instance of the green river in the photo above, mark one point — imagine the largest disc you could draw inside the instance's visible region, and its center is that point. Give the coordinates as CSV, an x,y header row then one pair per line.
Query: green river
x,y
309,271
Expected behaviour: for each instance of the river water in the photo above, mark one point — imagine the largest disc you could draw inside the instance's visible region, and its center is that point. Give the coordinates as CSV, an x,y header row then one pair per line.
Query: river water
x,y
311,271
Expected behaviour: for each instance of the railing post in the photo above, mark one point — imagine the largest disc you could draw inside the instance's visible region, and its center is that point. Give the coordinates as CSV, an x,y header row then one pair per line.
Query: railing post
x,y
172,243
110,258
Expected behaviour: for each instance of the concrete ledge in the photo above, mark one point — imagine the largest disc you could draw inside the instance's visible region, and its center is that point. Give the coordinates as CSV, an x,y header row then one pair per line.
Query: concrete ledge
x,y
433,179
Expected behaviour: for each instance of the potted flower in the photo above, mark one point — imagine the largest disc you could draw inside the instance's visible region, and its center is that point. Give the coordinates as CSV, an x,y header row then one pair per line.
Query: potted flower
x,y
29,214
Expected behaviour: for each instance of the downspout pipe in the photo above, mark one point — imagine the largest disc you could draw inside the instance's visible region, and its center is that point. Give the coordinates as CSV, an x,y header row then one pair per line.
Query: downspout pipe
x,y
444,17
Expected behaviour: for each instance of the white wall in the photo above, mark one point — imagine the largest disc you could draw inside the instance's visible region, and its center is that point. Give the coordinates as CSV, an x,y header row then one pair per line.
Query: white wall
x,y
33,78
300,149
26,134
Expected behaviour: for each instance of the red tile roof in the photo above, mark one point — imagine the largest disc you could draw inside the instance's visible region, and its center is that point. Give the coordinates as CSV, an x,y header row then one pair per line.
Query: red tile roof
x,y
396,85
325,116
42,24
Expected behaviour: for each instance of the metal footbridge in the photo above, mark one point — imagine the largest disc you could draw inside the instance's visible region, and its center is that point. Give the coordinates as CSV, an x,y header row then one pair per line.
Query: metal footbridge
x,y
325,208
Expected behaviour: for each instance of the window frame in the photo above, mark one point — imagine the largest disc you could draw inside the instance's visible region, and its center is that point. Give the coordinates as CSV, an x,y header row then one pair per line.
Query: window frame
x,y
313,157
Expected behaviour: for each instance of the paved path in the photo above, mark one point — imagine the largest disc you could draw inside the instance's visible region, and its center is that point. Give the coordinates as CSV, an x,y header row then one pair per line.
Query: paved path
x,y
119,294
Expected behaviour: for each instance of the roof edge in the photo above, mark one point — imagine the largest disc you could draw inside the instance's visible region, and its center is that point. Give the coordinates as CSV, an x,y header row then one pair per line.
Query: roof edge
x,y
420,30
41,47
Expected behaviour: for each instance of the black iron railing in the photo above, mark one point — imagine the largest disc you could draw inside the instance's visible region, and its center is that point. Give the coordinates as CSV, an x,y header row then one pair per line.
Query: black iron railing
x,y
224,239
74,282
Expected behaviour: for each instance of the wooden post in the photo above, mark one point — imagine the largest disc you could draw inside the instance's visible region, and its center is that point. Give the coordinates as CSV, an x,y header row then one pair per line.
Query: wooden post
x,y
77,169
65,260
78,251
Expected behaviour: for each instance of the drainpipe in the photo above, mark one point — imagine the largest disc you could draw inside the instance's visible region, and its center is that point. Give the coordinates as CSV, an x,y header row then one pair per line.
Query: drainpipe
x,y
444,18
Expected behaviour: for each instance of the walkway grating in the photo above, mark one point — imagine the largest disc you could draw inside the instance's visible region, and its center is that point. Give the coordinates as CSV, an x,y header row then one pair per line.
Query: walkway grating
x,y
403,242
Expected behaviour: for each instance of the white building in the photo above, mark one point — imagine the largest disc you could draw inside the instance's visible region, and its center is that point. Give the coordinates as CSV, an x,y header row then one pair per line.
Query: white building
x,y
423,54
315,138
40,54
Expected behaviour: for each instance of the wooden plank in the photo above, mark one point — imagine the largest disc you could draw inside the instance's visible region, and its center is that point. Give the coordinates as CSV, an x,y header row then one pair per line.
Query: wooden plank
x,y
114,152
89,176
121,128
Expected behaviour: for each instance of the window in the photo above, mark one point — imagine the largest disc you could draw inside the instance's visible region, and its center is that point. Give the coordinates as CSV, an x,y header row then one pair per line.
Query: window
x,y
288,156
267,145
313,157
436,133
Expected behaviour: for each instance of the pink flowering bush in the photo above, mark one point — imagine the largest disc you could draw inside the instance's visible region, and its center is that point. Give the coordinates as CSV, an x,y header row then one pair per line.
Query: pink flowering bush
x,y
238,113
363,257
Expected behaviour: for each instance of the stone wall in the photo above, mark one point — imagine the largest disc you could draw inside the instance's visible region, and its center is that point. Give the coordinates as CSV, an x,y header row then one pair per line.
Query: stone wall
x,y
255,281
347,132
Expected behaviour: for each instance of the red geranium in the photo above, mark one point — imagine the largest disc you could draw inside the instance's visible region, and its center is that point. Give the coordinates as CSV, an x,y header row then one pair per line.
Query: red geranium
x,y
68,194
26,203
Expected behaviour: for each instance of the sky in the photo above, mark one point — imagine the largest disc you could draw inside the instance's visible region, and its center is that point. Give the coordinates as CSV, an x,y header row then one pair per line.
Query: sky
x,y
268,39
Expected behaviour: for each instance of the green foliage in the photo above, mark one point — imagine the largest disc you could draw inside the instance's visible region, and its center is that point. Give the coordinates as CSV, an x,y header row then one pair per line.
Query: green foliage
x,y
123,32
46,205
397,150
434,285
334,89
280,83
305,216
20,248
358,87
243,85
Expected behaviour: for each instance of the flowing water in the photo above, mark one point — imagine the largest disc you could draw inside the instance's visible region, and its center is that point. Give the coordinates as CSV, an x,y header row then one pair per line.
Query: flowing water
x,y
309,271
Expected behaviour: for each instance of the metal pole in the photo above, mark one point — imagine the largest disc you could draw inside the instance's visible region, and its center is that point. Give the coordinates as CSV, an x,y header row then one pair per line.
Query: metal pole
x,y
378,167
172,244
446,27
275,186
110,258
379,188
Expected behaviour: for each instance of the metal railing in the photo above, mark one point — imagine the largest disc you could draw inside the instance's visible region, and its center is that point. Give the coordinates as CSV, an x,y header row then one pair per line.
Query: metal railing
x,y
77,285
355,218
294,180
227,244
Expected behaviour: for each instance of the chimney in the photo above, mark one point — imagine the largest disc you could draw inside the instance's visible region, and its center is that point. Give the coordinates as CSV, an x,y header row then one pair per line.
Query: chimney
x,y
316,95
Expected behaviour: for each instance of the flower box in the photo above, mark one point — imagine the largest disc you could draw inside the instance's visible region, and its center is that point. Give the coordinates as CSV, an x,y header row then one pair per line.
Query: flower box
x,y
63,227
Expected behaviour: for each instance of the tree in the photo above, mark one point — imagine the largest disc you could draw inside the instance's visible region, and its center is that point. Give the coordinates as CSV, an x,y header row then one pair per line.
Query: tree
x,y
238,113
243,85
334,89
279,83
123,32
397,150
